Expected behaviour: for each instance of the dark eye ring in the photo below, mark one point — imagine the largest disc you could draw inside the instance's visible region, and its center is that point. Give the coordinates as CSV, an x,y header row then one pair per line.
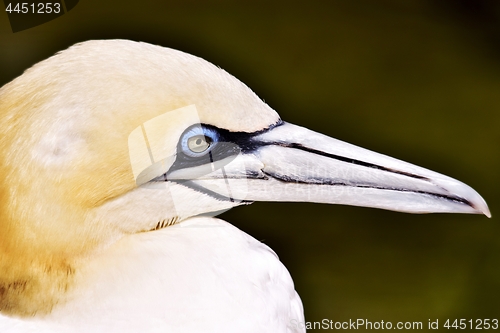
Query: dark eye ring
x,y
198,141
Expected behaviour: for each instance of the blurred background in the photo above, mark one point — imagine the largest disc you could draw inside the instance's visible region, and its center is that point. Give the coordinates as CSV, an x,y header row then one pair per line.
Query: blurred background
x,y
417,80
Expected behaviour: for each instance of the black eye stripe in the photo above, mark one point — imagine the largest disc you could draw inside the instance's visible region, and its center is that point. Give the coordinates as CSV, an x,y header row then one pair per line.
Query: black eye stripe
x,y
229,144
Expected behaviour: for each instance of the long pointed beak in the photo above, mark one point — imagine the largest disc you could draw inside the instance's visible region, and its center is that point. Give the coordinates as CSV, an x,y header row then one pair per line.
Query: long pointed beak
x,y
292,163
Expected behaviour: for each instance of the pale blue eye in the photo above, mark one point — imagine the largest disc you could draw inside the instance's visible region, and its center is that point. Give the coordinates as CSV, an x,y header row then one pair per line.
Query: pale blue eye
x,y
199,140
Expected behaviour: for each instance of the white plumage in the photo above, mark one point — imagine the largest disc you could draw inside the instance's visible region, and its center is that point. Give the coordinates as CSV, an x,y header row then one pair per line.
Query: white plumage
x,y
112,151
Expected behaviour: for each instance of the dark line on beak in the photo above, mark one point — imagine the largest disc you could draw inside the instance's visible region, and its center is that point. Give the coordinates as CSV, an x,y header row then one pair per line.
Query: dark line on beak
x,y
287,179
201,189
344,159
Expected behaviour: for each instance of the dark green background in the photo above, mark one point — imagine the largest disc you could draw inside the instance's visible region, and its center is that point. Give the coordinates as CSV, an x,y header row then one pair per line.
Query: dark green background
x,y
417,80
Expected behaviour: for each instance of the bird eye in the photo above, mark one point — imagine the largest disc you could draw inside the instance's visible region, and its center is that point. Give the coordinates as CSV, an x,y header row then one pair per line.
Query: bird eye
x,y
199,143
199,140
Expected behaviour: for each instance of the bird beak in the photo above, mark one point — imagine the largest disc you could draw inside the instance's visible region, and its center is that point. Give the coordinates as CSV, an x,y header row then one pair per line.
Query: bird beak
x,y
292,163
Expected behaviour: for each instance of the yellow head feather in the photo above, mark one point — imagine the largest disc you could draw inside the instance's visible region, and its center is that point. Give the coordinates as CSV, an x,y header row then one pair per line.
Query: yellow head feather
x,y
64,153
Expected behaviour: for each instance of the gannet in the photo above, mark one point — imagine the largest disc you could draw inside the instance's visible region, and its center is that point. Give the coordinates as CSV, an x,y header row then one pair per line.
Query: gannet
x,y
116,156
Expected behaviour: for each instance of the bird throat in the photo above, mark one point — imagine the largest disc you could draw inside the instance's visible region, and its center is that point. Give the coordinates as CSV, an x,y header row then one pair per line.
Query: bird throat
x,y
32,286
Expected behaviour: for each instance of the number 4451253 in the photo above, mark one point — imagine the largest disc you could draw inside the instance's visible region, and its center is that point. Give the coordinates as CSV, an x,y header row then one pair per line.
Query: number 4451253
x,y
38,8
473,324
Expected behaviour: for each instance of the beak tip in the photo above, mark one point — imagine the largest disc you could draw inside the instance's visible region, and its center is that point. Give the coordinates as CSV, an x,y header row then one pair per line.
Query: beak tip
x,y
481,207
474,200
486,211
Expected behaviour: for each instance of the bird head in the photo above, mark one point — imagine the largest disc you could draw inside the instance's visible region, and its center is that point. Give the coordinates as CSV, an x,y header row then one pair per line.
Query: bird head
x,y
112,138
